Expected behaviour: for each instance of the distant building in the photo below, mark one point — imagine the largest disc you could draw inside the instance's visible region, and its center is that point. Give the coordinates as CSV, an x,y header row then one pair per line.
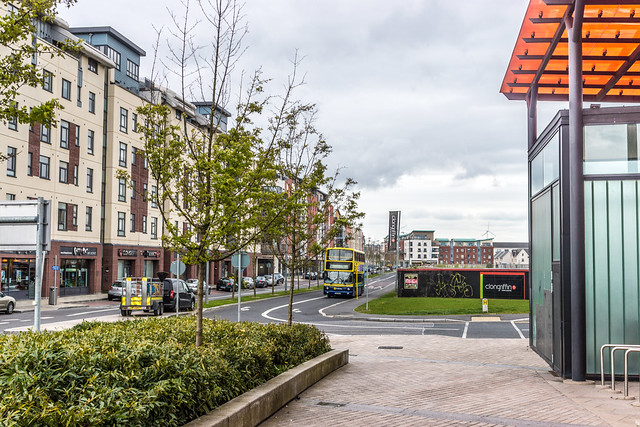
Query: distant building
x,y
511,255
417,249
465,251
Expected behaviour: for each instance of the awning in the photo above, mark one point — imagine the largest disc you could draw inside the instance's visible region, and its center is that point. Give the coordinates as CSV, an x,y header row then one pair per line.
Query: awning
x,y
610,49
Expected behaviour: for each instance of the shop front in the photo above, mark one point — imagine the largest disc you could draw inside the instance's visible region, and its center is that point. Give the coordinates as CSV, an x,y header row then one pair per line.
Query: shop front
x,y
17,276
75,272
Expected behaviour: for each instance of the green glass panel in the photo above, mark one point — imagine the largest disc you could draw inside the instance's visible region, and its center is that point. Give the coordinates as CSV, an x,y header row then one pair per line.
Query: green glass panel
x,y
541,272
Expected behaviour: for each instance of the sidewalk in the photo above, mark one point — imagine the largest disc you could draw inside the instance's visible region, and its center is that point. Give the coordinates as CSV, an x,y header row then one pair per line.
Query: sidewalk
x,y
63,302
438,380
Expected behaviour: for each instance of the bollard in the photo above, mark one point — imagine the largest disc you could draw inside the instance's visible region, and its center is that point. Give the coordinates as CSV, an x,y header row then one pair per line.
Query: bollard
x,y
485,305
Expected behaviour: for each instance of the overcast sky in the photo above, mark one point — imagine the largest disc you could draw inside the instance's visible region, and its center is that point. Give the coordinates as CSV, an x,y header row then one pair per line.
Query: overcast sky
x,y
407,95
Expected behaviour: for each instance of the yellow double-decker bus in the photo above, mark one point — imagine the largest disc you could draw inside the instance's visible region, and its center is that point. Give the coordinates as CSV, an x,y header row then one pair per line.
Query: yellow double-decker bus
x,y
343,272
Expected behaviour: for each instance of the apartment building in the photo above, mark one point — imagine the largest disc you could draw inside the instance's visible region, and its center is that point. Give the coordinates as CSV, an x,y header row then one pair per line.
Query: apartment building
x,y
417,249
465,251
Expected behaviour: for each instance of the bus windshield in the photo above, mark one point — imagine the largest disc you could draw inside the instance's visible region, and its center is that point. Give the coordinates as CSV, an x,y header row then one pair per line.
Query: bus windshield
x,y
340,255
339,277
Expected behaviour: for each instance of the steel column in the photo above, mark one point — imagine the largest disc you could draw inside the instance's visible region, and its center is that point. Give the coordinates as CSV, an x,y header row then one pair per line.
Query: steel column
x,y
576,196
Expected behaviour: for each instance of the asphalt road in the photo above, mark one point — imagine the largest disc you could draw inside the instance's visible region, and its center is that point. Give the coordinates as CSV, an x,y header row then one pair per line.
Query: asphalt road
x,y
336,316
332,315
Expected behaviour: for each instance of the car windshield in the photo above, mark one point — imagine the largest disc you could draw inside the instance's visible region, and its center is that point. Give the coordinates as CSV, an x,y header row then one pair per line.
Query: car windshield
x,y
338,277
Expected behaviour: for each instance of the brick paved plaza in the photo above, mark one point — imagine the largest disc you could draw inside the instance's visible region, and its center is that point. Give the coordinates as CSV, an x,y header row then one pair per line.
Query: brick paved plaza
x,y
443,381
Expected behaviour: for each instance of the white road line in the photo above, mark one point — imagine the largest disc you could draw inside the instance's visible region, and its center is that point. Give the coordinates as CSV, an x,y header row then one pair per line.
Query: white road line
x,y
464,332
266,313
94,311
513,322
321,311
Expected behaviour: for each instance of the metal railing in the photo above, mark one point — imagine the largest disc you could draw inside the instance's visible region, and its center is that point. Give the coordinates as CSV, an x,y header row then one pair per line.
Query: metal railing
x,y
626,369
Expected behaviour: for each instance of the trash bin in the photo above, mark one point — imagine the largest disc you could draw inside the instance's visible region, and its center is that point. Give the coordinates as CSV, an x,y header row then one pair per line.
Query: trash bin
x,y
53,295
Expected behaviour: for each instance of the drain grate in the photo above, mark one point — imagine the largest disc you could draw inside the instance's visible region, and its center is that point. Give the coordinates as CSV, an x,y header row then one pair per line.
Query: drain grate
x,y
331,404
390,347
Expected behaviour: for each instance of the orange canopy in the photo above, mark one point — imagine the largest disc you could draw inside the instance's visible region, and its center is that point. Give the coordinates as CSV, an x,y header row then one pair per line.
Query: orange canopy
x,y
610,49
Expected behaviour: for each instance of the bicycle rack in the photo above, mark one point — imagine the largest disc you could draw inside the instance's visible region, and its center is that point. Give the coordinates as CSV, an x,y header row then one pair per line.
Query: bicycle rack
x,y
614,348
626,369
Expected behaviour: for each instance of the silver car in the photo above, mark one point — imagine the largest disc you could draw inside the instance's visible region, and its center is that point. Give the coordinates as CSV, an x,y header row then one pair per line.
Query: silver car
x,y
7,303
116,290
193,285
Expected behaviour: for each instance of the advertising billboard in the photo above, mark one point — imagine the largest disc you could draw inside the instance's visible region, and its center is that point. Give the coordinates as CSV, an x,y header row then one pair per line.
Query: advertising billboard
x,y
394,224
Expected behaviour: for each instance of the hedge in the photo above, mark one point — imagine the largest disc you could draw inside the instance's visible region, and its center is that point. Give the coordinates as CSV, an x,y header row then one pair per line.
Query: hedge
x,y
142,372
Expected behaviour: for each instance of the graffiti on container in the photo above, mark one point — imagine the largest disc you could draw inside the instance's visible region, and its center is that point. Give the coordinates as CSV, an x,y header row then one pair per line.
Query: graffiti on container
x,y
448,285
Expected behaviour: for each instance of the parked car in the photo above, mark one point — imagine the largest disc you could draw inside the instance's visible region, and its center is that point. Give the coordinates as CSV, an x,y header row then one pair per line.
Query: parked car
x,y
116,290
247,283
261,282
225,284
7,303
171,289
279,278
311,275
193,285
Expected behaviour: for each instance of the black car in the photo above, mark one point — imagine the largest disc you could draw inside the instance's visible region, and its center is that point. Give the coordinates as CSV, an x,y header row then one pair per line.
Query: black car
x,y
225,284
173,287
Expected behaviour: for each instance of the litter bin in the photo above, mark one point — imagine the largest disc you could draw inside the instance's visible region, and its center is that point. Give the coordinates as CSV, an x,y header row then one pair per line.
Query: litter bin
x,y
53,295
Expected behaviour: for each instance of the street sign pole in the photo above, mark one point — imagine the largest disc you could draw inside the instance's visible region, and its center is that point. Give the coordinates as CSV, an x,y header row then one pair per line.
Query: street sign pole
x,y
178,287
39,264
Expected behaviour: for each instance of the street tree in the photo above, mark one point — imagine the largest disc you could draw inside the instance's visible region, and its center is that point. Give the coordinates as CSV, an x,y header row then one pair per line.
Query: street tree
x,y
213,182
19,57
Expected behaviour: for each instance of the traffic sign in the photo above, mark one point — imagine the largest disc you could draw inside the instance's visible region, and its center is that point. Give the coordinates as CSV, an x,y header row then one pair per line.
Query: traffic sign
x,y
177,267
240,259
55,267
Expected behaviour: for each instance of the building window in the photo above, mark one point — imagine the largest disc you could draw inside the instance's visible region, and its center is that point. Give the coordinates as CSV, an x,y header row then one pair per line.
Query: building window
x,y
144,191
74,215
13,120
64,172
132,223
154,196
144,224
66,89
62,216
44,167
124,118
88,219
75,175
93,65
114,55
12,154
89,180
134,151
77,136
134,122
121,223
132,69
64,134
122,190
30,163
154,228
92,102
45,133
123,155
146,162
47,81
133,189
11,196
90,142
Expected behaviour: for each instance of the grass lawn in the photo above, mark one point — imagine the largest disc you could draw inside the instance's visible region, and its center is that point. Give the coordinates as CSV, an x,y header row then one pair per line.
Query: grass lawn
x,y
391,304
247,295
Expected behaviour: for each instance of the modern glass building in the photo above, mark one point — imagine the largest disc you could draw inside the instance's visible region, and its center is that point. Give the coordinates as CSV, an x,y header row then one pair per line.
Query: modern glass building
x,y
584,191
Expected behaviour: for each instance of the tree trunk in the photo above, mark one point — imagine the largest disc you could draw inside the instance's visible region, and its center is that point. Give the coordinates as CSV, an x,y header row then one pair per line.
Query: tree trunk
x,y
201,276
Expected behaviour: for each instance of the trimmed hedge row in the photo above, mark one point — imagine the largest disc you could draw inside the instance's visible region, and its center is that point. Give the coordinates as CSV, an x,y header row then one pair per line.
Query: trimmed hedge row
x,y
142,372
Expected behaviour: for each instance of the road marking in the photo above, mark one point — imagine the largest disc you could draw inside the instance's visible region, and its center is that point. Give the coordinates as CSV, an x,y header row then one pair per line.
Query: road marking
x,y
321,311
518,330
245,308
91,312
485,319
464,332
266,313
